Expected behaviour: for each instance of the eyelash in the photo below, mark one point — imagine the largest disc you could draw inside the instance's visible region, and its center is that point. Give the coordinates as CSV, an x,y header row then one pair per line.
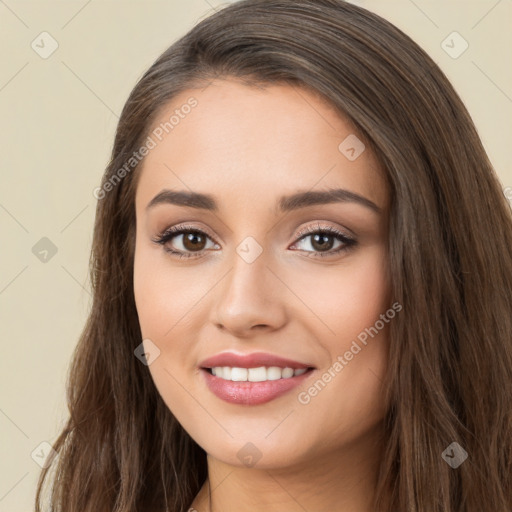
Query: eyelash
x,y
174,231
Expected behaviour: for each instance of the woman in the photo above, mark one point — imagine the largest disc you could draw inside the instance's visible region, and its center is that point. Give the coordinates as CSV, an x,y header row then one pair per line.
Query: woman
x,y
302,282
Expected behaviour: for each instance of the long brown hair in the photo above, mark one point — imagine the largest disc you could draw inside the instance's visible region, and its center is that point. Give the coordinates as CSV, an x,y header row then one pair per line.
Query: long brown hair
x,y
450,240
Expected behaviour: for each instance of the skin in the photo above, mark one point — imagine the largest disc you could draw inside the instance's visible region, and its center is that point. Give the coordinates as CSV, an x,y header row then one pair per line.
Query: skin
x,y
247,146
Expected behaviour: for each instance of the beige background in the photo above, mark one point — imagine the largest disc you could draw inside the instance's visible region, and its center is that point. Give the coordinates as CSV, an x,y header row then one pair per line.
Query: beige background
x,y
57,125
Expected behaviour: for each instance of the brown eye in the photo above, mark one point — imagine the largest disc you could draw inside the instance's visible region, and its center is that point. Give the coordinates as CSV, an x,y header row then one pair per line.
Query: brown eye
x,y
183,241
322,242
193,241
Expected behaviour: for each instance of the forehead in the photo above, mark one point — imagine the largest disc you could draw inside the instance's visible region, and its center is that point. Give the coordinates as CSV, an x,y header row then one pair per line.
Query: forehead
x,y
257,144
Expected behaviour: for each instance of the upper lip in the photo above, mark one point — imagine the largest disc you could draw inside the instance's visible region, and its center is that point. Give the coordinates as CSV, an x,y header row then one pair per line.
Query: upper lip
x,y
253,360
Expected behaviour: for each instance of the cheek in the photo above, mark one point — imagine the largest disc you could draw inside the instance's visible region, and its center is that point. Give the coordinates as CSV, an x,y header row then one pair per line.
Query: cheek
x,y
348,306
166,298
149,289
349,399
349,297
162,305
365,292
164,295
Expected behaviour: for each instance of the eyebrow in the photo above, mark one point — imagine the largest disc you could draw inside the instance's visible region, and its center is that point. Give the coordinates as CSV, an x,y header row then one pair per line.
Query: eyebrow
x,y
285,203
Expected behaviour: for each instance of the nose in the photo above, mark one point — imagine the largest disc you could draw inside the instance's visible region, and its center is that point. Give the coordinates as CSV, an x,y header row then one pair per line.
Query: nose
x,y
249,299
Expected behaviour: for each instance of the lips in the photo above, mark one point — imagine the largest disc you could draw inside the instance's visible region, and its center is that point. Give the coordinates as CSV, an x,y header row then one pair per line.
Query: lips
x,y
253,360
247,392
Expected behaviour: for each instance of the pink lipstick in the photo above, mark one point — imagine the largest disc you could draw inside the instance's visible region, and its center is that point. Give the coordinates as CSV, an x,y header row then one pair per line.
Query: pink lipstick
x,y
252,379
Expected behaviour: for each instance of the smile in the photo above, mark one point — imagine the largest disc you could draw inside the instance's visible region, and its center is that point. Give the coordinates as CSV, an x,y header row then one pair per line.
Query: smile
x,y
254,378
247,392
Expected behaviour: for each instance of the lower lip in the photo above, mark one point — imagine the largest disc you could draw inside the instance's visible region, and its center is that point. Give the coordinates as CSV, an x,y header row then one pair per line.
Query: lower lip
x,y
251,393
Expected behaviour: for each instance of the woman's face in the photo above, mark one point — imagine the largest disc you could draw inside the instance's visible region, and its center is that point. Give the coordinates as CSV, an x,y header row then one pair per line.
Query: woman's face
x,y
261,276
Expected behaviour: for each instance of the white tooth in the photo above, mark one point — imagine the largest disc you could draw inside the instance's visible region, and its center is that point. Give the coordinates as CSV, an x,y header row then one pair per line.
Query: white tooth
x,y
257,374
238,374
287,372
273,373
